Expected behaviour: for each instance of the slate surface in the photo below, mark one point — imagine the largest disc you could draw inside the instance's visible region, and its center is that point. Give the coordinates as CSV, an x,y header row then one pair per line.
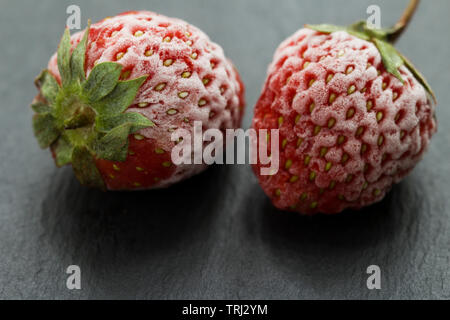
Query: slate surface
x,y
215,235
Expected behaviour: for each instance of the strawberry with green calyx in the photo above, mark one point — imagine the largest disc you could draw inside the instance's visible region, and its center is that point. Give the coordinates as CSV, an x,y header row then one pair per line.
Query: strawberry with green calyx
x,y
354,117
113,94
82,119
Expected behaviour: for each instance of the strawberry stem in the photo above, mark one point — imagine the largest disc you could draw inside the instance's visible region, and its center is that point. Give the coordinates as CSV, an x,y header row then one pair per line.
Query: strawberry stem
x,y
404,20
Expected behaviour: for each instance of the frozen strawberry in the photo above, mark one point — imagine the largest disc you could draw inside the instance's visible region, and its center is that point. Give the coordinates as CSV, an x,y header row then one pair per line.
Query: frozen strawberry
x,y
112,96
354,117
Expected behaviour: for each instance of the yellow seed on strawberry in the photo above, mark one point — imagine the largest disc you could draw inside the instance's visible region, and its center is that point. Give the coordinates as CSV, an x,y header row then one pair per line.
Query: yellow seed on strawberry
x,y
120,55
379,116
186,74
344,158
331,122
307,159
332,98
329,77
394,96
288,163
350,113
380,140
280,121
359,131
160,86
167,62
363,148
183,94
317,130
351,89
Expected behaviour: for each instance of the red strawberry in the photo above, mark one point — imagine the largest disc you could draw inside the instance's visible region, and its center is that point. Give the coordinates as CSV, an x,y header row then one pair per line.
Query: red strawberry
x,y
109,107
353,114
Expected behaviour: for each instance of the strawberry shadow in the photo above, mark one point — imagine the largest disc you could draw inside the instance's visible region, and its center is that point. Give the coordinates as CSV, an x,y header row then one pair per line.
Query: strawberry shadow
x,y
324,251
121,231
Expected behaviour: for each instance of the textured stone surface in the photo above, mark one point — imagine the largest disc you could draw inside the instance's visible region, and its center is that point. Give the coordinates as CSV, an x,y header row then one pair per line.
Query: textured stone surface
x,y
215,235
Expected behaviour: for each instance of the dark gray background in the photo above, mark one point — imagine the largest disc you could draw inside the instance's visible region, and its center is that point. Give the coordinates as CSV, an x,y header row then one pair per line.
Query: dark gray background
x,y
215,235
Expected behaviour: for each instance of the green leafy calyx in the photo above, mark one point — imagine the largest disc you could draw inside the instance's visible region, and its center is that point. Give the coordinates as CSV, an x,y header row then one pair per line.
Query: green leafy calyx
x,y
83,119
392,59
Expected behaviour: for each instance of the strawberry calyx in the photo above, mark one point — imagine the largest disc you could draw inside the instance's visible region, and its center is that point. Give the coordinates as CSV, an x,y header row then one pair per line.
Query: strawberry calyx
x,y
382,39
83,119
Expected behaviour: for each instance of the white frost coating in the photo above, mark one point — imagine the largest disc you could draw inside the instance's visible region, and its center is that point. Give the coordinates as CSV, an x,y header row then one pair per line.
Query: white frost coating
x,y
406,124
222,92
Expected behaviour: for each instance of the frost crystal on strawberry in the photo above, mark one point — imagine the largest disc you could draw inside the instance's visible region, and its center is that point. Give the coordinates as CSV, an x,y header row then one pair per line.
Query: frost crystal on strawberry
x,y
112,96
354,116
